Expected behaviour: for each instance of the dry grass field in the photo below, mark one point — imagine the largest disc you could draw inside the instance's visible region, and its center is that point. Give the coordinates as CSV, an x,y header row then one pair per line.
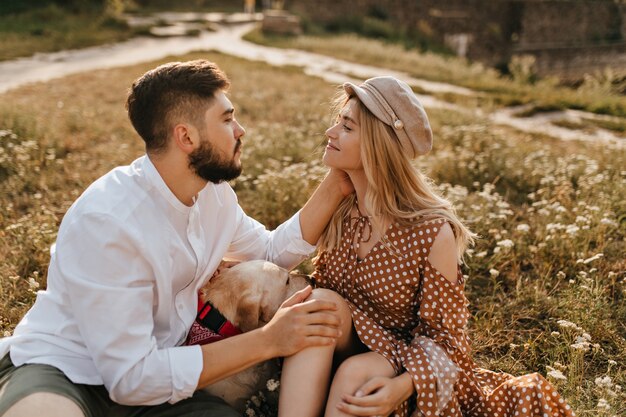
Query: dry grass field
x,y
546,281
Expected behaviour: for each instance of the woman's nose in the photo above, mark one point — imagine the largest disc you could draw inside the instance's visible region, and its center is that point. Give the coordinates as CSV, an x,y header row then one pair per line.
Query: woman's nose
x,y
330,132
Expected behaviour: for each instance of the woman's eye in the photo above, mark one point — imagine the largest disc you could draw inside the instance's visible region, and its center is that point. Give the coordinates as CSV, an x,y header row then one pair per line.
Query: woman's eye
x,y
347,128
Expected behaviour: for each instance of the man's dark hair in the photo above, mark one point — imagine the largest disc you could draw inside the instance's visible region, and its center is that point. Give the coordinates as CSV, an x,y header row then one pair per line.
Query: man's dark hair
x,y
169,94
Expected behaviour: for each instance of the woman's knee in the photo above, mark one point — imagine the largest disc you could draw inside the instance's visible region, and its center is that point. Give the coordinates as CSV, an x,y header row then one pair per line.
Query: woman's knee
x,y
361,368
348,337
342,305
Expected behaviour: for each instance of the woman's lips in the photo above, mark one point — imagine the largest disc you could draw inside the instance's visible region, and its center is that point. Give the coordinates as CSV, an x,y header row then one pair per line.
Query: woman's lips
x,y
330,146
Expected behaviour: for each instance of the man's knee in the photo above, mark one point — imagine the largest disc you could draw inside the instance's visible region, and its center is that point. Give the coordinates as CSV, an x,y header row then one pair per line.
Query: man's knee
x,y
45,404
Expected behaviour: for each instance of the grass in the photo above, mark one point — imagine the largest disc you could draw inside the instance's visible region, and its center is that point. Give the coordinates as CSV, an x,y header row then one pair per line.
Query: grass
x,y
546,281
52,28
33,26
592,96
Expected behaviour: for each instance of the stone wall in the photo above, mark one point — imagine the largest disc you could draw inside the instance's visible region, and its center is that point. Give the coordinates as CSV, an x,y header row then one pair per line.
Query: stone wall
x,y
492,31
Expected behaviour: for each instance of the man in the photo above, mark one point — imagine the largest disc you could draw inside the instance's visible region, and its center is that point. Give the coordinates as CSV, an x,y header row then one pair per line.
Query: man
x,y
131,253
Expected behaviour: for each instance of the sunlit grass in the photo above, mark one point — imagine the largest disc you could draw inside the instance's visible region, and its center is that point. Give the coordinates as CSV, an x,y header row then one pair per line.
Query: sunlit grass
x,y
593,96
546,281
52,28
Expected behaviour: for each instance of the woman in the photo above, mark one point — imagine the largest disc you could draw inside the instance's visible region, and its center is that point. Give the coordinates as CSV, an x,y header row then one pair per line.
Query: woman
x,y
390,260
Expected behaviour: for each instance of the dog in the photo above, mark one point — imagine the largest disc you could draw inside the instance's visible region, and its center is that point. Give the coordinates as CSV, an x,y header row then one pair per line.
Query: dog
x,y
248,295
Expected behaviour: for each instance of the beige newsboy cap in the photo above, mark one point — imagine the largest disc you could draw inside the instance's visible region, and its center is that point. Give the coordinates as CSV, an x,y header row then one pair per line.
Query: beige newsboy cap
x,y
393,102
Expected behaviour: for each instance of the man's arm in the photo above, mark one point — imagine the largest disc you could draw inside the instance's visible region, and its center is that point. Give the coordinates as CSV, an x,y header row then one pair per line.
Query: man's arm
x,y
296,238
296,326
319,209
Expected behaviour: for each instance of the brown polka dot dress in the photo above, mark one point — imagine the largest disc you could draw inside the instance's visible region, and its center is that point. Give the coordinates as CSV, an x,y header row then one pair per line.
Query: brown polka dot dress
x,y
405,310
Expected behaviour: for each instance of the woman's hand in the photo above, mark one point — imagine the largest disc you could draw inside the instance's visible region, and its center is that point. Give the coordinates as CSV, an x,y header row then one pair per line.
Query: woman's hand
x,y
379,396
342,180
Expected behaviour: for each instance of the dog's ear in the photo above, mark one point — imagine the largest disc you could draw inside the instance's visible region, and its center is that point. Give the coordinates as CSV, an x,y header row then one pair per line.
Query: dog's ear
x,y
248,310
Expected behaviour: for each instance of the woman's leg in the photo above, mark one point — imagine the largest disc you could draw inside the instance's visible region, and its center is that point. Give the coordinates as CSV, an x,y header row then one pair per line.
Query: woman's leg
x,y
352,374
306,375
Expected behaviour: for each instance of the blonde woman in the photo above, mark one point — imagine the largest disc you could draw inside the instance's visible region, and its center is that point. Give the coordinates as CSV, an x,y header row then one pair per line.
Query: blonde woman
x,y
390,259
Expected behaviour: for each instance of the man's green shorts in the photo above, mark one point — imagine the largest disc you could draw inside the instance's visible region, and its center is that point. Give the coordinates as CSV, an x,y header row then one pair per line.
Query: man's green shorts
x,y
17,383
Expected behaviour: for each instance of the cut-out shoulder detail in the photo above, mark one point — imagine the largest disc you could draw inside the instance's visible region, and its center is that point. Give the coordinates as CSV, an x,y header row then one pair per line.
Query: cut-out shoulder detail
x,y
443,253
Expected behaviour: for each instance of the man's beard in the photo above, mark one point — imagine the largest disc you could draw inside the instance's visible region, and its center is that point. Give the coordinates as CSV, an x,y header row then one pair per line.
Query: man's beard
x,y
207,163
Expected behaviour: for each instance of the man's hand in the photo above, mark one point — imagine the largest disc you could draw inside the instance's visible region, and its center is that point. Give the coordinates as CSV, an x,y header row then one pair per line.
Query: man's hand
x,y
379,396
299,324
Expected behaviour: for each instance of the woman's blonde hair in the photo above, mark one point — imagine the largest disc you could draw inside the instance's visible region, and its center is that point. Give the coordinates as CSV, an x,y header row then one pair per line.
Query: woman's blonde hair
x,y
396,190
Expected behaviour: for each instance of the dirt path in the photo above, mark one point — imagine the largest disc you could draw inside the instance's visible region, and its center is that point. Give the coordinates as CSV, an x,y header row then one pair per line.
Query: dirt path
x,y
228,39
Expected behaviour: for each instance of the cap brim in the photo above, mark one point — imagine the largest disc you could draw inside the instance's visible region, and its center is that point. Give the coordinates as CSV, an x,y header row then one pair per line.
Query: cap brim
x,y
368,101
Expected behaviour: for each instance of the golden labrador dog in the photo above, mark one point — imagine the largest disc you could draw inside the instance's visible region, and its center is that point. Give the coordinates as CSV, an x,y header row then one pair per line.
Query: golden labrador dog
x,y
248,295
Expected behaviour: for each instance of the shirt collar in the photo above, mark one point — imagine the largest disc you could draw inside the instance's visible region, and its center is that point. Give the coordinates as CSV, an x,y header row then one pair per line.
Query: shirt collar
x,y
155,179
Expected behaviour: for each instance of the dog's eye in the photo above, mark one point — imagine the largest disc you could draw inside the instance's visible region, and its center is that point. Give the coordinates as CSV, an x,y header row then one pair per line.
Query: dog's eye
x,y
287,280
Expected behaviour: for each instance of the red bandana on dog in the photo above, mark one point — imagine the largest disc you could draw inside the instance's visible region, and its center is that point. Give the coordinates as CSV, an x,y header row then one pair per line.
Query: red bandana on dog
x,y
210,326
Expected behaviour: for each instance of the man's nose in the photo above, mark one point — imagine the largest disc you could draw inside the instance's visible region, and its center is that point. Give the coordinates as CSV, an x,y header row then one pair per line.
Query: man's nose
x,y
239,131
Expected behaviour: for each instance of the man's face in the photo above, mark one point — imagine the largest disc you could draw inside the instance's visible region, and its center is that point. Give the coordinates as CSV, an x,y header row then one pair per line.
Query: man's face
x,y
218,158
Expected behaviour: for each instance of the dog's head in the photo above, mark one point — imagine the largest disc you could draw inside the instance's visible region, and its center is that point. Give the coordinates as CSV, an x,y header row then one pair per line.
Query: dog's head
x,y
249,294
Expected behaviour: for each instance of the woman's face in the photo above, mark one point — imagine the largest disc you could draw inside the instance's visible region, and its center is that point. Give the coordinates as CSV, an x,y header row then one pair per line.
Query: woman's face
x,y
344,140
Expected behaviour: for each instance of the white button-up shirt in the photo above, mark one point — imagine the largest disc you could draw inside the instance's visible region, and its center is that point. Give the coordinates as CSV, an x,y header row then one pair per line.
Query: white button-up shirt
x,y
123,279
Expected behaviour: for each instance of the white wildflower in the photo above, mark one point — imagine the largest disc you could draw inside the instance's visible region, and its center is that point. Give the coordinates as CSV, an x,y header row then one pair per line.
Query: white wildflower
x,y
524,228
604,382
506,243
272,384
556,374
608,222
581,219
6,333
603,404
572,229
568,325
250,412
583,347
494,272
497,249
612,362
32,283
560,275
481,254
555,334
551,227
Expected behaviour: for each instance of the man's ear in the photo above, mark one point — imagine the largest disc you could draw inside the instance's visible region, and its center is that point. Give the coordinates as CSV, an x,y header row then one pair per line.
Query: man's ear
x,y
185,137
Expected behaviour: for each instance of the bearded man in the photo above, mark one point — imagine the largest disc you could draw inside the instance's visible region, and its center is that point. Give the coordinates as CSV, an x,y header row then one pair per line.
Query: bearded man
x,y
107,335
